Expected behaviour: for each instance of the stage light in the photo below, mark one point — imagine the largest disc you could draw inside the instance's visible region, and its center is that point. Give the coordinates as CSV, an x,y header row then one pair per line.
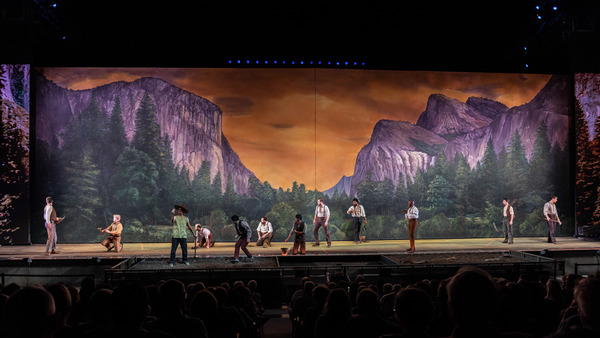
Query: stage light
x,y
54,5
526,65
539,17
554,8
525,48
537,7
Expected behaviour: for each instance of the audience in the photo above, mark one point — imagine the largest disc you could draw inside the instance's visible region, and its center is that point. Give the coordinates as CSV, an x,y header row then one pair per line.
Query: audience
x,y
470,304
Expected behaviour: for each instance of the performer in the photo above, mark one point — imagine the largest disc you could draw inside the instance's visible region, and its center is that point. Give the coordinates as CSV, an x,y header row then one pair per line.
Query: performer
x,y
358,215
179,237
412,214
321,220
51,222
114,234
508,215
299,240
244,234
551,218
265,232
204,236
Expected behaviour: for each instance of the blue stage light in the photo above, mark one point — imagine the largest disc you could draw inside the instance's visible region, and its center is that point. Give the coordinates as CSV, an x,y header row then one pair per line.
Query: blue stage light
x,y
539,17
554,8
537,7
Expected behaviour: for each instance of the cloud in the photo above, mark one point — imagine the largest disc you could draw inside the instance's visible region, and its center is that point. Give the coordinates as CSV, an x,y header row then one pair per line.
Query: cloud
x,y
282,125
235,106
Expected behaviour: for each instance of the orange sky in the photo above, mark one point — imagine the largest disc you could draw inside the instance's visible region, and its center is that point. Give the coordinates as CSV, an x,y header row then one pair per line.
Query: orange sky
x,y
308,125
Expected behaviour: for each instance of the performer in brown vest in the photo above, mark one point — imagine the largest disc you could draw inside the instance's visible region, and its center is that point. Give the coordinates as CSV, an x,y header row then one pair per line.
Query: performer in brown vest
x,y
508,214
551,217
114,234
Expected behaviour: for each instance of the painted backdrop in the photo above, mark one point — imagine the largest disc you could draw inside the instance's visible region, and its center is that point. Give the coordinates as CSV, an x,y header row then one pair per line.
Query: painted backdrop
x,y
14,154
269,142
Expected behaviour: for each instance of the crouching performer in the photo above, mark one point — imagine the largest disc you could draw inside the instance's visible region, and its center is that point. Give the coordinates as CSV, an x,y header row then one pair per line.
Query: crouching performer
x,y
114,235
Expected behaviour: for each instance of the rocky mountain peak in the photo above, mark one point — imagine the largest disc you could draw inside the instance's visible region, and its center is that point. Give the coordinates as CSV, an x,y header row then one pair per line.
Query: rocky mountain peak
x,y
448,117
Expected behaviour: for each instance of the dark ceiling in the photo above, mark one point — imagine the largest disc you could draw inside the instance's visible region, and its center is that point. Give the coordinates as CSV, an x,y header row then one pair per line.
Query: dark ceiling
x,y
500,36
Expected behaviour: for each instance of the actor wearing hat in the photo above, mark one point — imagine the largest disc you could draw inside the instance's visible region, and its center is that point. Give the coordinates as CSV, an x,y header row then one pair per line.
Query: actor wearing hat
x,y
179,237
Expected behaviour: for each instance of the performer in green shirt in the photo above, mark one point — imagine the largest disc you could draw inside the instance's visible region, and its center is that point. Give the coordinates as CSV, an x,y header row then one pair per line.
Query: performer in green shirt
x,y
179,237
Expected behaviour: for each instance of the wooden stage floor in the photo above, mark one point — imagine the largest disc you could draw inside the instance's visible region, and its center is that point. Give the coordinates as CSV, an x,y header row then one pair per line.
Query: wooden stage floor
x,y
225,249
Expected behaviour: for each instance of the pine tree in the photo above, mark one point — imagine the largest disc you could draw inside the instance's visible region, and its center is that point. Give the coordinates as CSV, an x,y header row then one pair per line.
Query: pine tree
x,y
400,195
201,191
517,167
585,190
438,193
116,138
417,191
488,175
541,162
503,172
133,186
81,201
461,185
147,131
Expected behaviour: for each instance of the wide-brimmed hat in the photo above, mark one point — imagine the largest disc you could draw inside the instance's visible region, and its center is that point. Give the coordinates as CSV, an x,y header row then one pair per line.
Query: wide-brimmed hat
x,y
182,207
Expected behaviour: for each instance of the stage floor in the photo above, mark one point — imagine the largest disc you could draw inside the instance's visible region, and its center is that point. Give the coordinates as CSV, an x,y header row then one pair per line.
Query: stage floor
x,y
225,249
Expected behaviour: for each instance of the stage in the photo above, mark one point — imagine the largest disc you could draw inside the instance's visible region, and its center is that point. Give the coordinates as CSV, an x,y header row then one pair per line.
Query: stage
x,y
225,249
278,275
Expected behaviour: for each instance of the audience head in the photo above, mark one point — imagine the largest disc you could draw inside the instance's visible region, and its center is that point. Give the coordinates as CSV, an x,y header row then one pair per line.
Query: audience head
x,y
204,305
30,312
413,310
338,304
320,294
367,302
62,299
99,305
130,306
587,296
472,296
172,295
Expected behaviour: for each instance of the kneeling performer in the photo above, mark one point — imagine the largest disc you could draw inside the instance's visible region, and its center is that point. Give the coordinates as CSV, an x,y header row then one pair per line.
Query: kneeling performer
x,y
114,234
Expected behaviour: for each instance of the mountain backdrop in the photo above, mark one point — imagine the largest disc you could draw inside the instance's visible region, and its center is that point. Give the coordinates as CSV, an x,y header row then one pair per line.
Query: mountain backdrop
x,y
193,124
451,126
